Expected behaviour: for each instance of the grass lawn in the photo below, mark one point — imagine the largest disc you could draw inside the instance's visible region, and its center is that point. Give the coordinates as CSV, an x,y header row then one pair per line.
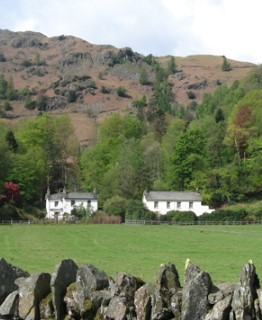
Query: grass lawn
x,y
139,250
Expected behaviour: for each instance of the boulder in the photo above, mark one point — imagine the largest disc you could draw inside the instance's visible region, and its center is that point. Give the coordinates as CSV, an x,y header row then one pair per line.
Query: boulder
x,y
220,292
63,276
126,285
88,280
31,291
143,301
259,295
96,303
71,305
245,293
9,308
221,310
169,286
8,275
160,310
47,308
168,277
195,293
176,304
117,309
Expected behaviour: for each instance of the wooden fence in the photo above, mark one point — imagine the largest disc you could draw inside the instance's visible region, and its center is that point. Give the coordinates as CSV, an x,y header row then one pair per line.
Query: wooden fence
x,y
134,222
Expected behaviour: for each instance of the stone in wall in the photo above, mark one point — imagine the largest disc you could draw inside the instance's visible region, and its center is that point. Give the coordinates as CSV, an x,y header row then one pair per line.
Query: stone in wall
x,y
63,276
245,293
123,290
10,306
31,291
197,286
89,280
8,275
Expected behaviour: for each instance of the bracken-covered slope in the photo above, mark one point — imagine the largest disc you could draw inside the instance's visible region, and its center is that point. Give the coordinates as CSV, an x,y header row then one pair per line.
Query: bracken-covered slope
x,y
81,79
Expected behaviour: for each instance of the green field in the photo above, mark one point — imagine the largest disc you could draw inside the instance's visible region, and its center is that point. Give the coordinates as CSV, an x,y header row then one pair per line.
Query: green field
x,y
139,250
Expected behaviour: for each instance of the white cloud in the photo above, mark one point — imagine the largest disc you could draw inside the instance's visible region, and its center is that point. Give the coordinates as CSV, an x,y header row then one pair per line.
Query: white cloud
x,y
160,27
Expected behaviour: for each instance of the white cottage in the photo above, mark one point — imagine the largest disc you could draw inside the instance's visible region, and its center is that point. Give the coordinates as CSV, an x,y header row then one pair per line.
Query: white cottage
x,y
164,201
64,202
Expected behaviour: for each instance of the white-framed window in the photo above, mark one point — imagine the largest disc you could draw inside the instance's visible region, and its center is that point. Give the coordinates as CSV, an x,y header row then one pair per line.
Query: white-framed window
x,y
168,204
156,204
178,205
72,203
56,203
191,204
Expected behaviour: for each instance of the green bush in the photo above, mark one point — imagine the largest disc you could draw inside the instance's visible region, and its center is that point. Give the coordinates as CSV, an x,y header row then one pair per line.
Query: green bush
x,y
225,215
2,57
8,212
105,90
135,210
139,103
7,106
181,216
191,95
115,206
143,77
27,63
122,92
71,96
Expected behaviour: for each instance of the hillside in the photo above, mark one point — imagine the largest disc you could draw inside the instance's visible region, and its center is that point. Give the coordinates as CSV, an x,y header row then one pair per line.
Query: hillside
x,y
81,79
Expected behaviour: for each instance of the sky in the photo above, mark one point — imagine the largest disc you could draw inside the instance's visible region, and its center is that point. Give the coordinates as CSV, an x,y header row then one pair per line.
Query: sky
x,y
160,27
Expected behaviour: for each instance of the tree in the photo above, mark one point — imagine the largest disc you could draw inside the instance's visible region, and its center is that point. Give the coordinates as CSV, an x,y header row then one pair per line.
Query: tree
x,y
116,206
171,67
12,193
219,116
41,102
226,65
29,103
11,140
3,87
29,171
10,91
5,152
135,210
143,77
53,140
188,158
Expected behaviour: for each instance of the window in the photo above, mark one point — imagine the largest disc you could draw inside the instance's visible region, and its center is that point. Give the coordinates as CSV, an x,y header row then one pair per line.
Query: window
x,y
190,205
156,204
56,203
178,205
168,204
72,202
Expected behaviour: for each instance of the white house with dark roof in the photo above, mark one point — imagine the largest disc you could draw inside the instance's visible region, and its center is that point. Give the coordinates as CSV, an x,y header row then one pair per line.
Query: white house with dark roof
x,y
164,201
59,204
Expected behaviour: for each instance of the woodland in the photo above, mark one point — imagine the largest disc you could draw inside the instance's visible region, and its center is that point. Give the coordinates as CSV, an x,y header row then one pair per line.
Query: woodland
x,y
214,147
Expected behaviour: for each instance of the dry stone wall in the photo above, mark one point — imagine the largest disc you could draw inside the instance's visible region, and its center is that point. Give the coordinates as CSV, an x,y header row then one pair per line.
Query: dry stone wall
x,y
85,292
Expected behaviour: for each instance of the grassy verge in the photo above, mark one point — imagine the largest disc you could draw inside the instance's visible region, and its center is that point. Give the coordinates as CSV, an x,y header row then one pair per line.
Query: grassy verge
x,y
139,250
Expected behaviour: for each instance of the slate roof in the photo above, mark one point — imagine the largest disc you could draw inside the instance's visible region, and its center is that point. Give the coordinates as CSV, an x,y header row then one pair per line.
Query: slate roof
x,y
75,196
172,196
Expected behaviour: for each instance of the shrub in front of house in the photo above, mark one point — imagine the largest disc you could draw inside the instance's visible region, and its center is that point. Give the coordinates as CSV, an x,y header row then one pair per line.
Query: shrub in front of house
x,y
180,216
225,215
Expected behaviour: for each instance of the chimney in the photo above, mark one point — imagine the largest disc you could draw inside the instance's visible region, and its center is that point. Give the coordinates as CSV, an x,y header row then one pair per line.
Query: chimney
x,y
47,196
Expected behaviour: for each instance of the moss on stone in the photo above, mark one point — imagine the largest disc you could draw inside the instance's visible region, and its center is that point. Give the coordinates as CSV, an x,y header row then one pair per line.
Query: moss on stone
x,y
88,305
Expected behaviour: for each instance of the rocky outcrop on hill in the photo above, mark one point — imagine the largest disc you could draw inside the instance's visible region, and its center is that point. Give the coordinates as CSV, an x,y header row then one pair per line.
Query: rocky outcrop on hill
x,y
86,292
